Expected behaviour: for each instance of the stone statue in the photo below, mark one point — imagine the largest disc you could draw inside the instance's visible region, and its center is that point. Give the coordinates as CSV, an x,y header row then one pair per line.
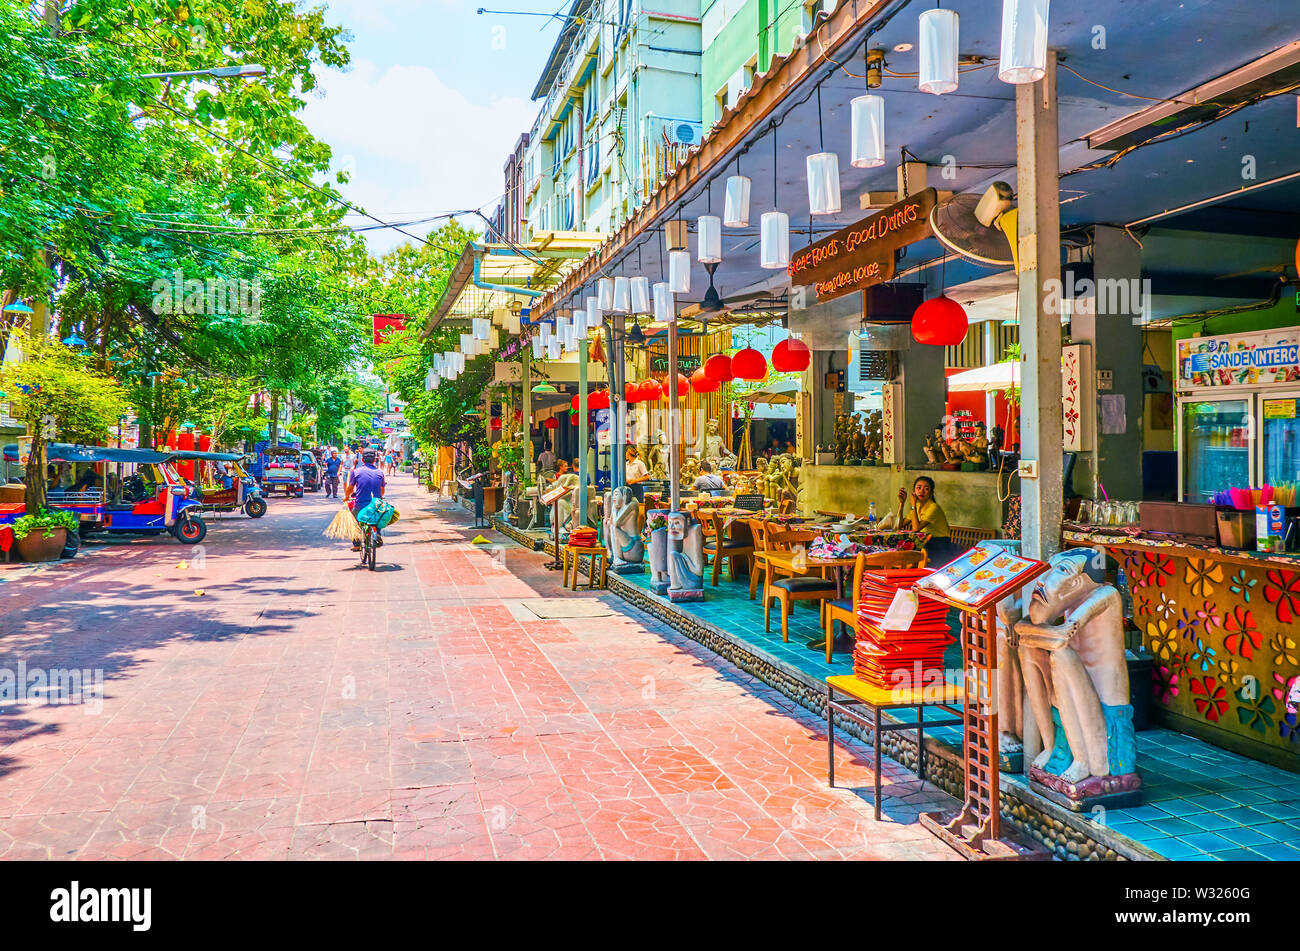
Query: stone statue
x,y
690,470
1076,680
624,537
657,523
685,558
995,446
859,438
1011,687
784,480
711,447
657,458
932,454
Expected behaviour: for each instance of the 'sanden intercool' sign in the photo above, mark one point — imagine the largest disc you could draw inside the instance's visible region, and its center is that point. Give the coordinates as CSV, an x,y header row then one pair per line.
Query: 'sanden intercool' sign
x,y
862,254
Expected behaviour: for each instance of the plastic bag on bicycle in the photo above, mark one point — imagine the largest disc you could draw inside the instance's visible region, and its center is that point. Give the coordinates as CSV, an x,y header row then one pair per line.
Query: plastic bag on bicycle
x,y
377,513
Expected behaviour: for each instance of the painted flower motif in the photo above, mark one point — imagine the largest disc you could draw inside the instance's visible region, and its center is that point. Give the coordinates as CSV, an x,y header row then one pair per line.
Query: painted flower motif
x,y
1188,625
1208,615
1283,589
1284,649
1201,576
1166,607
1238,585
1255,714
1154,569
1164,642
1228,669
1209,698
1164,684
1289,728
1182,665
1203,655
1242,638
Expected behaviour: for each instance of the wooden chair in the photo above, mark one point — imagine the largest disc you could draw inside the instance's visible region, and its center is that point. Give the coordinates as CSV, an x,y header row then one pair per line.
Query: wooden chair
x,y
793,588
720,548
757,561
969,537
845,610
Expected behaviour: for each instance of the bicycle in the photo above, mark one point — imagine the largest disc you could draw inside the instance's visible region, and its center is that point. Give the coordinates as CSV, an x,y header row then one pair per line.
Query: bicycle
x,y
369,543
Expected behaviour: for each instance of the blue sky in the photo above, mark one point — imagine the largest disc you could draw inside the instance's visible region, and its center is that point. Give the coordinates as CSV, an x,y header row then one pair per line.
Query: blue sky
x,y
432,104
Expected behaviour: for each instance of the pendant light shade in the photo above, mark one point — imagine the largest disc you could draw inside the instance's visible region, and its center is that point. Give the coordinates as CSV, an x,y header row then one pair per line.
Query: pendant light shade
x,y
663,303
938,73
605,294
1024,41
824,183
594,316
561,323
569,339
640,294
775,244
736,212
481,327
622,296
749,364
512,322
580,322
679,272
709,235
791,356
544,332
868,132
553,349
539,347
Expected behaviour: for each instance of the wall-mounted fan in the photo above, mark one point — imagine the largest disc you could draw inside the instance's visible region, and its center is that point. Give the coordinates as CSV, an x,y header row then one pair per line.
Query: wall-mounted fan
x,y
980,228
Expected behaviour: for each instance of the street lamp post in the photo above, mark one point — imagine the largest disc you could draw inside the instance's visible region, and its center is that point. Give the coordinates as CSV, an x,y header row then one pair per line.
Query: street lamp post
x,y
244,71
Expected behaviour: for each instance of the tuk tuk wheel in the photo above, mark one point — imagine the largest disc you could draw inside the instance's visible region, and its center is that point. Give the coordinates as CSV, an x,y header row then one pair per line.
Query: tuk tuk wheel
x,y
255,507
297,494
191,529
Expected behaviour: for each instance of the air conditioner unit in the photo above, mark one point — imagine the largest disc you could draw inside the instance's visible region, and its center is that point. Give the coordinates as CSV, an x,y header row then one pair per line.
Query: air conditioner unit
x,y
676,131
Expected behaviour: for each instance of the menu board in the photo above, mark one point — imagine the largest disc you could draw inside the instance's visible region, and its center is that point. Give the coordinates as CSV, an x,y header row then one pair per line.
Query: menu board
x,y
986,571
1253,359
555,493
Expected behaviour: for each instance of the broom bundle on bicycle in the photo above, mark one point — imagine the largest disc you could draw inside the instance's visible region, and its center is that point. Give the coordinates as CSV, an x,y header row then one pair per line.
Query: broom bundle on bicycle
x,y
344,526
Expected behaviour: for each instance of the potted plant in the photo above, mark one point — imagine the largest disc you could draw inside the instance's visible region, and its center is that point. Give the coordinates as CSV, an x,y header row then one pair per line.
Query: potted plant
x,y
42,537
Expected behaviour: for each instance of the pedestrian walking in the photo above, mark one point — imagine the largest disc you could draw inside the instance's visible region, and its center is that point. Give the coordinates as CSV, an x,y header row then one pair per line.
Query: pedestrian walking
x,y
333,466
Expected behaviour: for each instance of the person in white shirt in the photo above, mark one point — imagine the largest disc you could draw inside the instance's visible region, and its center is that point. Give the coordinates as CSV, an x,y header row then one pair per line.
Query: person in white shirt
x,y
635,471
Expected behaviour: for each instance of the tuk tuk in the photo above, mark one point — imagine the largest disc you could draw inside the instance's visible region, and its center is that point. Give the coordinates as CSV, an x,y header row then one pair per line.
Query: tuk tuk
x,y
223,485
279,468
152,500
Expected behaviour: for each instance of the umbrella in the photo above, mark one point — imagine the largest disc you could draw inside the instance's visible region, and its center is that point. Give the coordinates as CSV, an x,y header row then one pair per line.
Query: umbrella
x,y
990,379
783,391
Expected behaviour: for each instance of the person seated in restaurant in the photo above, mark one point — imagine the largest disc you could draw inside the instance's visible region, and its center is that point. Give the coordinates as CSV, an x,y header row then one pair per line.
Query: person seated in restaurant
x,y
708,480
636,470
921,512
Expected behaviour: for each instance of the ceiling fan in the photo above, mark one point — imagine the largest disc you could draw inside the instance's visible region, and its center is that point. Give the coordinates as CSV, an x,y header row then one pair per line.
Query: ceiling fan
x,y
743,301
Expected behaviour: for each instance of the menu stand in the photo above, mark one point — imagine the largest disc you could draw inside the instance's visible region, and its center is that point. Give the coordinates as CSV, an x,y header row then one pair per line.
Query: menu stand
x,y
975,830
552,498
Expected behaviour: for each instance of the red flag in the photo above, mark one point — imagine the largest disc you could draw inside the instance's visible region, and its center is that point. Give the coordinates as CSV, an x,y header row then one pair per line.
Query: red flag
x,y
383,323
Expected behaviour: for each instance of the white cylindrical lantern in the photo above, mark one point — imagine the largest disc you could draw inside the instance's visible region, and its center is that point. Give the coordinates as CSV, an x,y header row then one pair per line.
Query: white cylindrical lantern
x,y
512,322
664,311
622,297
824,183
736,212
679,272
499,316
708,233
560,324
553,349
605,294
867,134
494,339
538,344
580,321
544,331
774,230
481,327
569,338
938,73
594,316
1024,41
639,288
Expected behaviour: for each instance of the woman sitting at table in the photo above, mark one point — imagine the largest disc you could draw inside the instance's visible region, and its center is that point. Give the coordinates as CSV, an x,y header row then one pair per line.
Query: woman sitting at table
x,y
924,514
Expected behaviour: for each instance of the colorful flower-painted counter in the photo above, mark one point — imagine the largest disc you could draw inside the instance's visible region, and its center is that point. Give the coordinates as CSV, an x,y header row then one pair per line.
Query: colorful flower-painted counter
x,y
1223,627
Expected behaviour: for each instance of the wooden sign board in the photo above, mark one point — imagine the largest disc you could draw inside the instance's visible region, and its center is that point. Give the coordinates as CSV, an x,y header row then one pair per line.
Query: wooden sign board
x,y
862,254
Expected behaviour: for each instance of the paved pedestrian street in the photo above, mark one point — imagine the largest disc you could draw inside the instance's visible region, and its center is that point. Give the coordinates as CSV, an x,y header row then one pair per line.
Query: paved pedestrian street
x,y
266,698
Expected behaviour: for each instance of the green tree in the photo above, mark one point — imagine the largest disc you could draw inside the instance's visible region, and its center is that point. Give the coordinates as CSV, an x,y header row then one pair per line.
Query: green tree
x,y
56,385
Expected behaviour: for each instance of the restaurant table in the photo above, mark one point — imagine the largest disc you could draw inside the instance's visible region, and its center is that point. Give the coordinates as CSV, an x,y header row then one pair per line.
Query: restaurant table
x,y
864,696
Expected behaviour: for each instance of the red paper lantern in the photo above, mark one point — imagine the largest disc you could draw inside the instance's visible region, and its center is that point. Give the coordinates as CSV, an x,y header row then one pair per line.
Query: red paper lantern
x,y
749,364
496,423
683,384
718,367
940,322
573,403
632,393
791,356
651,390
598,400
701,383
551,423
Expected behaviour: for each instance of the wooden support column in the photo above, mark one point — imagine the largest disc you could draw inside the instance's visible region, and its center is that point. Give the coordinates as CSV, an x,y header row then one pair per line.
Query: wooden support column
x,y
1039,261
583,473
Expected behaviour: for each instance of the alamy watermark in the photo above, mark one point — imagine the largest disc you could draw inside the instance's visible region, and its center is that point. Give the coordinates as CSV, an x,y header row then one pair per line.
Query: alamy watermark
x,y
40,686
212,297
1107,297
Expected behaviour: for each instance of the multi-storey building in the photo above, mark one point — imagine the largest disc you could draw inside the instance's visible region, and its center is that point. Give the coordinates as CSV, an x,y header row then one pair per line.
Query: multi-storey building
x,y
621,105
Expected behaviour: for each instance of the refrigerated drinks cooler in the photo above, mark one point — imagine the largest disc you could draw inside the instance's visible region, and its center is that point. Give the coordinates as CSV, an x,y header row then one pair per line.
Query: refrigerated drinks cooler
x,y
1238,412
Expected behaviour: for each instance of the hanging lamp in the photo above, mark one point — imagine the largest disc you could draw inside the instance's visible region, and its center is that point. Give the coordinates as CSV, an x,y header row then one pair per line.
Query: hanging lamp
x,y
679,271
939,39
663,303
823,173
1023,56
774,228
639,290
622,302
735,211
605,294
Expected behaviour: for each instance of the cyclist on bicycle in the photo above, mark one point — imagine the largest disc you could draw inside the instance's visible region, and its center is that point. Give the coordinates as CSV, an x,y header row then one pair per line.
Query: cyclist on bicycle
x,y
367,483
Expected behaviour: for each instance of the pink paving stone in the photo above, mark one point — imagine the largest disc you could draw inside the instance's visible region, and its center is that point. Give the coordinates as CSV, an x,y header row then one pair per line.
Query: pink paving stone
x,y
312,710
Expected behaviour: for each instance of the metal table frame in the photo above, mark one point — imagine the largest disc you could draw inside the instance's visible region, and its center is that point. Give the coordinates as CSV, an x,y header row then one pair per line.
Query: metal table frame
x,y
852,709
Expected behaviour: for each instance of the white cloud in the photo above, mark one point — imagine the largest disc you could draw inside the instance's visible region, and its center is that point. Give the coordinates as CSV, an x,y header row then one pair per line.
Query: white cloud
x,y
415,145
